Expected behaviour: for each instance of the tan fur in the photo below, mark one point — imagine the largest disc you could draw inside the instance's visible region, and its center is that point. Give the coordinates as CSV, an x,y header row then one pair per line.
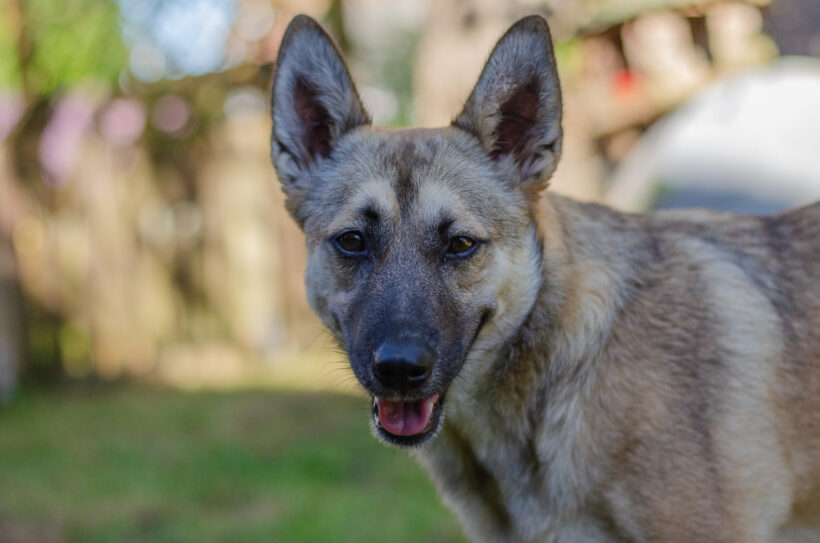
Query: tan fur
x,y
615,436
616,377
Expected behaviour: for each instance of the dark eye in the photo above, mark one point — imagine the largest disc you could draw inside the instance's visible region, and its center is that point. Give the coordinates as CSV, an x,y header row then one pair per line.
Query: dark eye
x,y
351,243
461,246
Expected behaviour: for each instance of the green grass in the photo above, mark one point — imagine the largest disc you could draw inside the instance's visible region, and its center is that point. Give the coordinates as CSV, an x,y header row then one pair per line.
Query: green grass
x,y
157,465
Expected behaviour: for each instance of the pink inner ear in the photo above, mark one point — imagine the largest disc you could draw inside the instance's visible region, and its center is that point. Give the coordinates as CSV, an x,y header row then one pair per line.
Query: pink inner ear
x,y
515,134
314,120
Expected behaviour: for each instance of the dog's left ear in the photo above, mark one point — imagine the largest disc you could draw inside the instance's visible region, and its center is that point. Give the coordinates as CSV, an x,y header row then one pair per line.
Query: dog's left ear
x,y
515,108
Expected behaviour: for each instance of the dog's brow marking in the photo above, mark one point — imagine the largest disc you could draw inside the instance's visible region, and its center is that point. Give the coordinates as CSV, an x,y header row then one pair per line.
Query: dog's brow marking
x,y
436,199
445,225
438,203
370,214
375,196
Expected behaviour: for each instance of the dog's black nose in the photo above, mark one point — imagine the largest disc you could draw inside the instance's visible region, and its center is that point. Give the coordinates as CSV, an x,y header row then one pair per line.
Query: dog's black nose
x,y
403,364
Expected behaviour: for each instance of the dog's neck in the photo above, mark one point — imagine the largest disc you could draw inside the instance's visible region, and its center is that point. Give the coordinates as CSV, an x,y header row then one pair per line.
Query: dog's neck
x,y
584,281
531,405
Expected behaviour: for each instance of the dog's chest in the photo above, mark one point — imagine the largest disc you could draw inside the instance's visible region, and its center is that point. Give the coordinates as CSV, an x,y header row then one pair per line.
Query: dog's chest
x,y
488,467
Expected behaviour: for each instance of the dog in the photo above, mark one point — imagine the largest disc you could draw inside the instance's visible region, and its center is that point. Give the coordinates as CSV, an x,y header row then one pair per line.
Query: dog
x,y
564,372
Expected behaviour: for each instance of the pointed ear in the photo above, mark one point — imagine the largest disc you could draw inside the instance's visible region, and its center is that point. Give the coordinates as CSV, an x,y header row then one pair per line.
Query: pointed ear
x,y
313,101
515,108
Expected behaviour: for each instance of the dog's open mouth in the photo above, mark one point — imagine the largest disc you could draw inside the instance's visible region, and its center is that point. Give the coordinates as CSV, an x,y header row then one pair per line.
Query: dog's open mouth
x,y
407,422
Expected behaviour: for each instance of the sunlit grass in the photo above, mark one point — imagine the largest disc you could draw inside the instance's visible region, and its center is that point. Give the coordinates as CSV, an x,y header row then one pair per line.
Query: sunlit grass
x,y
137,464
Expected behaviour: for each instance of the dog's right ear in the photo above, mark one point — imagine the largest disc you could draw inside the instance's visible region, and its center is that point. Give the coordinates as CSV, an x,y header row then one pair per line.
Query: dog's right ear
x,y
313,103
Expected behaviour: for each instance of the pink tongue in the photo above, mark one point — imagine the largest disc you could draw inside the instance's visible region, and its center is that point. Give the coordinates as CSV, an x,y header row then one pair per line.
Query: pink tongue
x,y
405,418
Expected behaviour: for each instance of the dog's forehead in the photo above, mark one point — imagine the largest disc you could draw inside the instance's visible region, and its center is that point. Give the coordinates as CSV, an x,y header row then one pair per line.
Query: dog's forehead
x,y
427,175
408,158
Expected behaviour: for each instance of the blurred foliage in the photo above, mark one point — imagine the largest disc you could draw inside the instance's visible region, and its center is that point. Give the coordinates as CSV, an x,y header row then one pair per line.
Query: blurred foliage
x,y
9,59
124,244
147,226
49,44
396,70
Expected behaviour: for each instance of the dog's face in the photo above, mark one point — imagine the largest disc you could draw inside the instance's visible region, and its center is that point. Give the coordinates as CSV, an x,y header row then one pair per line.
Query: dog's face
x,y
410,258
422,248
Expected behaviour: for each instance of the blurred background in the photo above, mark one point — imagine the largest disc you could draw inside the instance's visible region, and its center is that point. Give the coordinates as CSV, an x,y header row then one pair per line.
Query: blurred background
x,y
161,376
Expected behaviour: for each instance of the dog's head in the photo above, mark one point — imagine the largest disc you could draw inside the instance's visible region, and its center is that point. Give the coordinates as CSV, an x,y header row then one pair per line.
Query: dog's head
x,y
423,257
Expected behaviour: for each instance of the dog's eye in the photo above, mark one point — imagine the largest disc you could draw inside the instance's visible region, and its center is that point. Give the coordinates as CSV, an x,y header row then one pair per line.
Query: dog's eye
x,y
460,246
351,242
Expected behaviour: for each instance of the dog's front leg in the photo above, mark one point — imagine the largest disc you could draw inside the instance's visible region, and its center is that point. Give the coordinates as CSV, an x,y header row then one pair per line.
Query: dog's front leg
x,y
467,487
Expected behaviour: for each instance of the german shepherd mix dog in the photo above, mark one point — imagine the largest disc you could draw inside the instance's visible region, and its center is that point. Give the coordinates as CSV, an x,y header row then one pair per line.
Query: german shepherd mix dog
x,y
565,372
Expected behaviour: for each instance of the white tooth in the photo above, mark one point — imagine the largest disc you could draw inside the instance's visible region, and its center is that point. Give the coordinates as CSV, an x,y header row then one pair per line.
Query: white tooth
x,y
430,408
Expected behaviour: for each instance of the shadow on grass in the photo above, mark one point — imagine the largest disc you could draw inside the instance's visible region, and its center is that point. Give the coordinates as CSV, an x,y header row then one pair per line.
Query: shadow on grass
x,y
158,465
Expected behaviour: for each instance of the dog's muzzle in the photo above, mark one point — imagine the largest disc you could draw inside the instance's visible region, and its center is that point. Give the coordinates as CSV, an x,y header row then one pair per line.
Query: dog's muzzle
x,y
402,367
